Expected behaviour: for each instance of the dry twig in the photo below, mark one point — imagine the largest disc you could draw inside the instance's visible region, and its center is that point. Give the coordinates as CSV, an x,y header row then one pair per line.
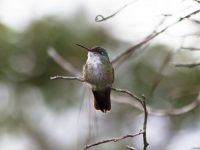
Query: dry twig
x,y
170,15
68,78
131,148
191,48
189,65
142,102
104,19
154,34
135,104
158,112
113,139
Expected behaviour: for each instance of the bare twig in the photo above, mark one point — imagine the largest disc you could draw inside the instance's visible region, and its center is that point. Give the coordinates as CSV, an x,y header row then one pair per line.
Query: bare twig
x,y
140,51
170,15
145,143
142,102
129,93
129,101
151,37
189,65
154,31
131,148
160,23
104,19
158,112
68,78
114,139
191,48
63,63
127,56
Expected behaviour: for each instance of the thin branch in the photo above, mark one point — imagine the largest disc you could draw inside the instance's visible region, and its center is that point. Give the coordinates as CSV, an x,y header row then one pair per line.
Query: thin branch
x,y
104,19
129,101
145,143
158,112
151,37
189,65
131,148
193,20
129,93
154,31
128,57
142,102
114,139
191,48
156,28
68,78
63,63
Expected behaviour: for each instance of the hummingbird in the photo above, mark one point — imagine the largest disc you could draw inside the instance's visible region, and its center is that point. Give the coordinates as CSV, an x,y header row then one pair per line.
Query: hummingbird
x,y
98,73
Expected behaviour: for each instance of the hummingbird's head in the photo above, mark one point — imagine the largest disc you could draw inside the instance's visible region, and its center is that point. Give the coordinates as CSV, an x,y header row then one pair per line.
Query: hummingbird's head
x,y
99,50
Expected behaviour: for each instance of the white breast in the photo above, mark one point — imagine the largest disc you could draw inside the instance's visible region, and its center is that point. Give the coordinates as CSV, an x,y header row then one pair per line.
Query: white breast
x,y
94,60
94,64
95,78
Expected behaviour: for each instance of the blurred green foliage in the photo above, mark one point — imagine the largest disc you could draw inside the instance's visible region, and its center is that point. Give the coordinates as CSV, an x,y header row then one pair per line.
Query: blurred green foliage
x,y
25,71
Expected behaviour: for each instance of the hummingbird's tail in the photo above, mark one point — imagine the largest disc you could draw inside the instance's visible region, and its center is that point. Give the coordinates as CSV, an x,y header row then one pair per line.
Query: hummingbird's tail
x,y
102,100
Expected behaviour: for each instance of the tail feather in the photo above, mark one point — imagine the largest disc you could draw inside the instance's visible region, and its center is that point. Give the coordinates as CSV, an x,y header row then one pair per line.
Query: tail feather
x,y
102,100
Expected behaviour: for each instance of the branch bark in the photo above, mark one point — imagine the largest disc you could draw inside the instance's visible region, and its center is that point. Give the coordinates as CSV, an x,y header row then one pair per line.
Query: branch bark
x,y
68,78
113,140
131,148
145,143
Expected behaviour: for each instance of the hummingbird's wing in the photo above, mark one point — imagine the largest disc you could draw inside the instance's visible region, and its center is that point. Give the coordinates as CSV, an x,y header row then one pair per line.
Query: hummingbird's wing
x,y
113,73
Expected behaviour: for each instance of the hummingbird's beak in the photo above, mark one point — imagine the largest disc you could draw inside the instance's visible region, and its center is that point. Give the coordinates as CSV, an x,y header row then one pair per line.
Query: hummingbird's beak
x,y
84,47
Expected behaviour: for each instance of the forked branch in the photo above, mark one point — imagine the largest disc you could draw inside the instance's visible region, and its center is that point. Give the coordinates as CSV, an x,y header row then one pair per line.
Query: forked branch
x,y
114,139
142,102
